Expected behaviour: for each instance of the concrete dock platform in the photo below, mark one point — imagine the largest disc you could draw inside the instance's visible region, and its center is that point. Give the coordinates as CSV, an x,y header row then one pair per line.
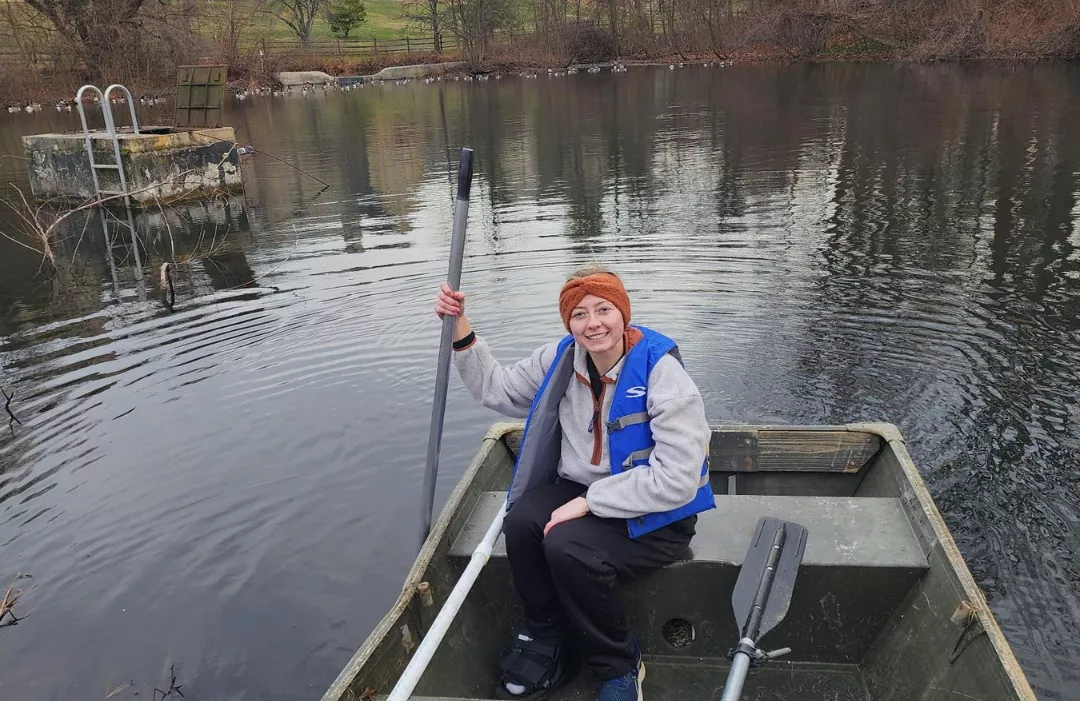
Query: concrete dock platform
x,y
161,164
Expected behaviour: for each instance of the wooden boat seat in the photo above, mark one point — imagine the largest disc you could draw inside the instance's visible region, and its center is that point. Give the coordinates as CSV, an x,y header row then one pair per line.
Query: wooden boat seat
x,y
843,531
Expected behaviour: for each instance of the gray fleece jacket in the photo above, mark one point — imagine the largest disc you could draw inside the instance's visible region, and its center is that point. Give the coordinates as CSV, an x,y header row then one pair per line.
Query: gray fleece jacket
x,y
678,424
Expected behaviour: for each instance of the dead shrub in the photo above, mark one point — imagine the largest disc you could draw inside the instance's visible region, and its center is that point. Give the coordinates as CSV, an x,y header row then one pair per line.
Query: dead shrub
x,y
1020,28
591,44
1064,43
800,33
953,37
805,32
525,53
20,80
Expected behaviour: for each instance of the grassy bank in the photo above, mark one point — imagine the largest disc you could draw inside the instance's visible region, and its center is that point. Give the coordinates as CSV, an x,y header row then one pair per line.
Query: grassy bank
x,y
383,22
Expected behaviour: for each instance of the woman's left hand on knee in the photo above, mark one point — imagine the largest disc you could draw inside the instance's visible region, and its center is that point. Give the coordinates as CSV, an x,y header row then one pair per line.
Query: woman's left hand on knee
x,y
575,508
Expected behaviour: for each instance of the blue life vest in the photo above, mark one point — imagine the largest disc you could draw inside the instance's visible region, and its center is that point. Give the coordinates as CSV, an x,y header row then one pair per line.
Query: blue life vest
x,y
630,440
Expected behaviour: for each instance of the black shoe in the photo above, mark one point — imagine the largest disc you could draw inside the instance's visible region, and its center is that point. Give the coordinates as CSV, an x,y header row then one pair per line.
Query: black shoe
x,y
538,666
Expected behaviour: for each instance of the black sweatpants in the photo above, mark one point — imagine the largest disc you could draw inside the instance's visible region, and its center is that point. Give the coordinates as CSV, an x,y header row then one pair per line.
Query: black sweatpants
x,y
567,580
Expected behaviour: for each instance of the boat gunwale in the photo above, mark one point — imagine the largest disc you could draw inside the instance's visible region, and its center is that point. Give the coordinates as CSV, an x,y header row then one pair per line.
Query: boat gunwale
x,y
895,440
889,432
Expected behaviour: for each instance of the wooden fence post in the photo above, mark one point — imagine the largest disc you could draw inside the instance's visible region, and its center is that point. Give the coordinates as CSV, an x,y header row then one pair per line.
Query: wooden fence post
x,y
375,45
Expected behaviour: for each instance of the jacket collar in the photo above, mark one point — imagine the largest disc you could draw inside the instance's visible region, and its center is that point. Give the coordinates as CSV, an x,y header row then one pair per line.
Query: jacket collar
x,y
630,338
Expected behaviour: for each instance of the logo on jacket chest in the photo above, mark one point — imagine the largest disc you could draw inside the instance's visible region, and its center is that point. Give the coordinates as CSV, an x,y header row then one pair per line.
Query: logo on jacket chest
x,y
635,392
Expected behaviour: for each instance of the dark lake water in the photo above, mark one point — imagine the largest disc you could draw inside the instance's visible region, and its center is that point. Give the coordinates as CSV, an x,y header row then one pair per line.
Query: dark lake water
x,y
233,488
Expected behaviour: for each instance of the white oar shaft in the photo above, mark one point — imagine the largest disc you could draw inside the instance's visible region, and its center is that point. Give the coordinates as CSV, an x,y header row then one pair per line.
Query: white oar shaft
x,y
426,650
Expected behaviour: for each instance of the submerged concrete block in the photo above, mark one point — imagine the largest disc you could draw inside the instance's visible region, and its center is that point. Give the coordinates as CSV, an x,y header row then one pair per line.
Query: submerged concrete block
x,y
160,164
304,77
420,70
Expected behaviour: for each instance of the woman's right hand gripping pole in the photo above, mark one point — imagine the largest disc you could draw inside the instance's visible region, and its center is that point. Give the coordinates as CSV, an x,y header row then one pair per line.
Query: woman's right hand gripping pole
x,y
451,303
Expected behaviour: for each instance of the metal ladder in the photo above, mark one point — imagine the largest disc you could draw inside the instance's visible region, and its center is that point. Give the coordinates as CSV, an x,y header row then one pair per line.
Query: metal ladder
x,y
118,166
110,129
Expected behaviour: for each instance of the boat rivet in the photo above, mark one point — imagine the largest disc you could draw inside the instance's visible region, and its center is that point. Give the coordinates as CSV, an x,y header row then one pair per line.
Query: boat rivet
x,y
424,590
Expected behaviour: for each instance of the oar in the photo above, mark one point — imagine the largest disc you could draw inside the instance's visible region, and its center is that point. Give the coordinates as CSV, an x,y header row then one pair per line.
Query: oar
x,y
762,594
442,376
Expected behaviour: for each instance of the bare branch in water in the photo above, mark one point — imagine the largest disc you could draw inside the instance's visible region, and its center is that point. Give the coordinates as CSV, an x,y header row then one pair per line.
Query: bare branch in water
x,y
273,157
7,407
25,213
82,234
173,686
271,271
34,218
7,606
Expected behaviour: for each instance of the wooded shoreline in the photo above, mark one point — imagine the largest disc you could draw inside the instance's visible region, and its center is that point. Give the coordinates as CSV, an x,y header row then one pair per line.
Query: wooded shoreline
x,y
55,46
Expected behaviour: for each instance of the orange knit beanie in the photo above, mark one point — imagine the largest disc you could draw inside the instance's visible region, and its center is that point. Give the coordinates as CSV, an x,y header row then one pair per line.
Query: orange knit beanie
x,y
604,285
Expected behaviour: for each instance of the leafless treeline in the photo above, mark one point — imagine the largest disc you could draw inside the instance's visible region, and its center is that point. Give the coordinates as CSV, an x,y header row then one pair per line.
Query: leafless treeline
x,y
121,40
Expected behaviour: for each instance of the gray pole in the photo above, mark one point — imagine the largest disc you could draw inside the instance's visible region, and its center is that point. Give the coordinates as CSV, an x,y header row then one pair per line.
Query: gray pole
x,y
442,376
737,676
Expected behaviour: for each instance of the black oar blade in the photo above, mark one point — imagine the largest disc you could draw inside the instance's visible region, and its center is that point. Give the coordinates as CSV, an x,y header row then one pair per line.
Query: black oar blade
x,y
761,597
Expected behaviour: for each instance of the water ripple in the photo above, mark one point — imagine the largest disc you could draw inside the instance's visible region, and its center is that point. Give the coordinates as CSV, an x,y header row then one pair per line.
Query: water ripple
x,y
233,486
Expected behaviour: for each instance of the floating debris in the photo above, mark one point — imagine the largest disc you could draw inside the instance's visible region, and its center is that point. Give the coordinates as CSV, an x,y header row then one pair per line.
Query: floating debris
x,y
7,605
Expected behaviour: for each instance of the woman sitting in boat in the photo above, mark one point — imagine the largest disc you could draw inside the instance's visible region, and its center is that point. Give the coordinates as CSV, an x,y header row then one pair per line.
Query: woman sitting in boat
x,y
610,475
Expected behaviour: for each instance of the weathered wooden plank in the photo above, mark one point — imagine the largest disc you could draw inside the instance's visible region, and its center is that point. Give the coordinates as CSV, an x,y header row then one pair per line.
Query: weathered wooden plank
x,y
795,449
791,450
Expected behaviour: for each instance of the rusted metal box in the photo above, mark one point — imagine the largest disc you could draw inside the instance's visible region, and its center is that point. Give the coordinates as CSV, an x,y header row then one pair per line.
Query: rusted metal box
x,y
200,96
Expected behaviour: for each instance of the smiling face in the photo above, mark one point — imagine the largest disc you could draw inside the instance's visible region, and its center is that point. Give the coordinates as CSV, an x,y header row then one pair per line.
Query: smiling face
x,y
597,326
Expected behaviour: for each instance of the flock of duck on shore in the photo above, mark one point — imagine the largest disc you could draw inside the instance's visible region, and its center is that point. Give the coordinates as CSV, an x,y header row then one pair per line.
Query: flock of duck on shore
x,y
311,88
68,105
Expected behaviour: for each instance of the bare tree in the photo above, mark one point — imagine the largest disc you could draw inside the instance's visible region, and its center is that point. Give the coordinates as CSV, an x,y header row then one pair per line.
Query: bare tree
x,y
612,7
552,24
474,23
298,15
111,40
427,15
235,20
18,25
95,30
708,18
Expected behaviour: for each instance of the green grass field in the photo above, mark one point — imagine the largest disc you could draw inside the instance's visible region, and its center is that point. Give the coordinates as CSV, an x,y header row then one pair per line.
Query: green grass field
x,y
384,21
